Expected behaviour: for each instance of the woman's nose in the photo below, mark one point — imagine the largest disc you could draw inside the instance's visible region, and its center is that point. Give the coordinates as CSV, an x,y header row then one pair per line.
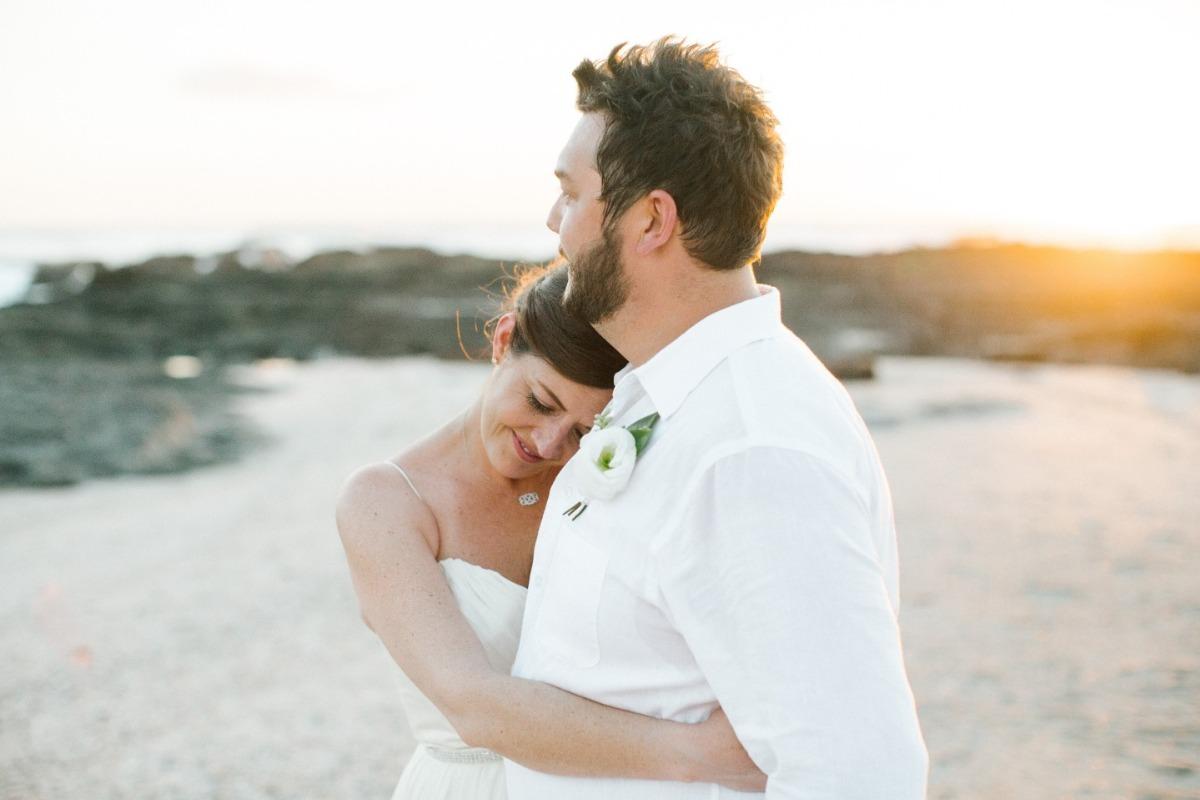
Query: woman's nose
x,y
551,439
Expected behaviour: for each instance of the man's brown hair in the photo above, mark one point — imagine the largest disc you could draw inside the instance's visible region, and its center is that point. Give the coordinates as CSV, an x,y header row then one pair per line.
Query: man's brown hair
x,y
678,120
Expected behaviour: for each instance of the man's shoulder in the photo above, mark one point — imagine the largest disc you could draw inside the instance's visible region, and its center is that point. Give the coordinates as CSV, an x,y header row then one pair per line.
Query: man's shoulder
x,y
774,390
769,405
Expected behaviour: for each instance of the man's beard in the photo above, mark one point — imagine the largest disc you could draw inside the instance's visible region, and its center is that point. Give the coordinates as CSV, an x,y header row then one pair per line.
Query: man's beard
x,y
596,283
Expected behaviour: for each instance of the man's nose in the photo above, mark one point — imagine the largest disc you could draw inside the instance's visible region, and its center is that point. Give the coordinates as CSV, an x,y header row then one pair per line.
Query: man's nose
x,y
555,217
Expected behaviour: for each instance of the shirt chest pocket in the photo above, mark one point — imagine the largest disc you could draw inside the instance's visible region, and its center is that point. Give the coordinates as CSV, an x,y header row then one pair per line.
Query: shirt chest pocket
x,y
567,626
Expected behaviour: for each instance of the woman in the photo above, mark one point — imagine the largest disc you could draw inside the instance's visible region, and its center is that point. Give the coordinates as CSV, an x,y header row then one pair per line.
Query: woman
x,y
440,541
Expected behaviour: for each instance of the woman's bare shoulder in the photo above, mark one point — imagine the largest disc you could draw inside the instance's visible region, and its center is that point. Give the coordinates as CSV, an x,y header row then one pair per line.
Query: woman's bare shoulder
x,y
378,503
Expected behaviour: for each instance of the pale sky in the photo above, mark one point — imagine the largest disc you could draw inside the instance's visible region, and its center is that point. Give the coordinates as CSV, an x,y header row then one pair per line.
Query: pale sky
x,y
1074,122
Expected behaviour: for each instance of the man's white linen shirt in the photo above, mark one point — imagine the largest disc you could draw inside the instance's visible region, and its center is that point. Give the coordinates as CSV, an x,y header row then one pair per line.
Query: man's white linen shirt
x,y
750,563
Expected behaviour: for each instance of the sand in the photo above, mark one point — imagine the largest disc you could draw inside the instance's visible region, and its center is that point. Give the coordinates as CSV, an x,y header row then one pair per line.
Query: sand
x,y
196,636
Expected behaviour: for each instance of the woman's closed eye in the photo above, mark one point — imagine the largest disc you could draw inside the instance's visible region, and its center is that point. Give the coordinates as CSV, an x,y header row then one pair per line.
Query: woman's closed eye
x,y
541,408
537,405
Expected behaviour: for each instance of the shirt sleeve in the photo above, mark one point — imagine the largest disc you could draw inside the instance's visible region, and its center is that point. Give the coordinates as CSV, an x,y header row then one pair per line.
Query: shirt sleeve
x,y
774,580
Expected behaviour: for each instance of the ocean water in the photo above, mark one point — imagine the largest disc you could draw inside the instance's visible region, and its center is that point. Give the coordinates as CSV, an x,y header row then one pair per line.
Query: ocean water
x,y
15,277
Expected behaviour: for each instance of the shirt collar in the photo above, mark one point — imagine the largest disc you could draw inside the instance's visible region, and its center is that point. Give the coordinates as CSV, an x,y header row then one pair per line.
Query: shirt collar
x,y
674,371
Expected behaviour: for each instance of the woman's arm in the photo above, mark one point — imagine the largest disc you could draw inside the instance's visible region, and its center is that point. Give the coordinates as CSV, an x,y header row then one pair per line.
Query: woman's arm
x,y
390,540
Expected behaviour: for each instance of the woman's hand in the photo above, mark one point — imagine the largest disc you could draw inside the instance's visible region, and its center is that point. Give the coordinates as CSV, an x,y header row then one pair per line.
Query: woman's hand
x,y
718,757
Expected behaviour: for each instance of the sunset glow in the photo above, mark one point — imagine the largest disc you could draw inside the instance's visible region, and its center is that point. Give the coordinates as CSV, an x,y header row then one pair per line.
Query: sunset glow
x,y
1068,122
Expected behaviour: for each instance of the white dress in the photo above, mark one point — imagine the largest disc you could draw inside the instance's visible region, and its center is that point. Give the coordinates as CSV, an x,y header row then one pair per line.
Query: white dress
x,y
443,767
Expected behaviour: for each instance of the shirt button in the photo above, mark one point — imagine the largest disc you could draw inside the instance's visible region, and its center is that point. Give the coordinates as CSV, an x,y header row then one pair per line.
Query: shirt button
x,y
537,582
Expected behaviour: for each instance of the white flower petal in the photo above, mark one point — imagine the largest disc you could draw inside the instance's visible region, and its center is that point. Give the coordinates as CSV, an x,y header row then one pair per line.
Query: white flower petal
x,y
605,462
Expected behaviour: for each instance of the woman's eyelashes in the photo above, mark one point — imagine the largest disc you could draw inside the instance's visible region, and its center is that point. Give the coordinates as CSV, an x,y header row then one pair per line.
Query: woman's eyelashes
x,y
541,408
538,405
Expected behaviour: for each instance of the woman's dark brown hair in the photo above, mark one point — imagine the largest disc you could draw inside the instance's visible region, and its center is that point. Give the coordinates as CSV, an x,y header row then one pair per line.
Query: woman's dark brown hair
x,y
680,121
546,330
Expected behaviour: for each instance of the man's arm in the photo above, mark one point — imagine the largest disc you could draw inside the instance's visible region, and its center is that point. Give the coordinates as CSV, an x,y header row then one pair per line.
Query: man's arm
x,y
774,581
389,540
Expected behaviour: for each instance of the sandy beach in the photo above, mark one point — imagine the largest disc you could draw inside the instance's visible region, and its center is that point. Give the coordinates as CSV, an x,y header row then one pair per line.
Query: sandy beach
x,y
196,636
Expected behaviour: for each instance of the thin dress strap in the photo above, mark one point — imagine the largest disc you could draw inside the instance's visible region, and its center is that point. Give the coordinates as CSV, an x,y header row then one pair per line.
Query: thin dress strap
x,y
407,480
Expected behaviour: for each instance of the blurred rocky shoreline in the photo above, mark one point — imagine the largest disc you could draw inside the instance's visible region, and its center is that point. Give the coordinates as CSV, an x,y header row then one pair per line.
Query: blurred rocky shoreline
x,y
110,370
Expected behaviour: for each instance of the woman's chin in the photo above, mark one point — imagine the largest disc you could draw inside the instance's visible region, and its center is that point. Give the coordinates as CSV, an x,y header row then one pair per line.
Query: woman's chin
x,y
519,469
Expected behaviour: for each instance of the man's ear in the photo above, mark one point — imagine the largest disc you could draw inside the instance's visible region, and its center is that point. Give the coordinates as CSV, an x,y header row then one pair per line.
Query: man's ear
x,y
502,335
658,223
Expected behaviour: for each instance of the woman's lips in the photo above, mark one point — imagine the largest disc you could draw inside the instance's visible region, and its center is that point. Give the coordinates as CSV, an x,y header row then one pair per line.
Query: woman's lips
x,y
525,455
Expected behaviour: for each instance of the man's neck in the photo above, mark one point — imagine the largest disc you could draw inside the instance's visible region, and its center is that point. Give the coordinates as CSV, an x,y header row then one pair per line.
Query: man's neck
x,y
653,317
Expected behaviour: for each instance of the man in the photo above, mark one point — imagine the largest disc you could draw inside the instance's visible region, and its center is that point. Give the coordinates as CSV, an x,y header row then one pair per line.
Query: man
x,y
750,560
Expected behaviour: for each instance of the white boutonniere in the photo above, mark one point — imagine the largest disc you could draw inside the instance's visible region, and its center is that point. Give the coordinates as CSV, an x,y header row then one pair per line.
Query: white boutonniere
x,y
606,459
